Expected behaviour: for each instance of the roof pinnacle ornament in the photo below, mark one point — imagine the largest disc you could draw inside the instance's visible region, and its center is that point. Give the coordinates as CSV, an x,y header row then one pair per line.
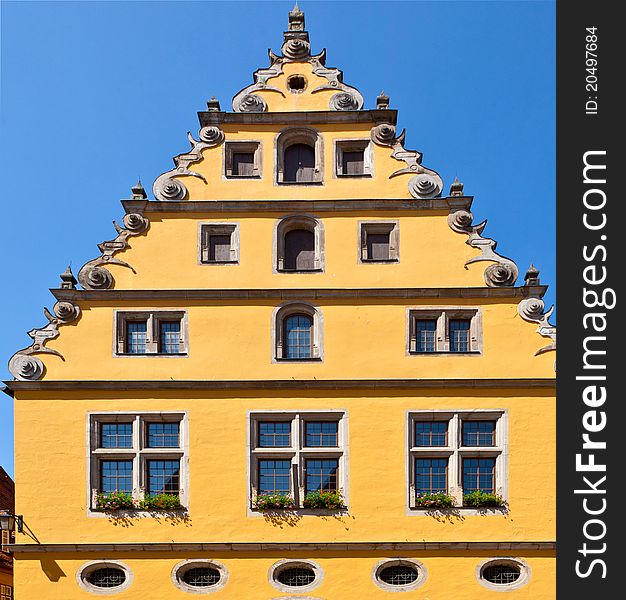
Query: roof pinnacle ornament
x,y
68,281
139,193
382,101
456,189
532,276
296,19
296,44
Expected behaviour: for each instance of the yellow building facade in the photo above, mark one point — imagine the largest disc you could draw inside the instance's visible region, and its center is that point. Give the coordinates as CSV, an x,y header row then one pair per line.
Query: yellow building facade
x,y
300,371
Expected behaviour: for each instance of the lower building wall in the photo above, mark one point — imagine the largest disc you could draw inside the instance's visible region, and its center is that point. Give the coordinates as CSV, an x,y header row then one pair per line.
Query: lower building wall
x,y
449,575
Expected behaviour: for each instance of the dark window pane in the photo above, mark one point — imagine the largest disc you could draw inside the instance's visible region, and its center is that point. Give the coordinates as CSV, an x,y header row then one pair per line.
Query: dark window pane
x,y
320,434
431,475
201,577
106,578
296,576
136,332
425,332
274,477
219,248
297,336
163,435
501,574
116,476
459,335
169,337
479,433
377,246
163,477
243,164
352,163
431,433
321,475
398,575
299,250
479,474
299,164
274,435
116,435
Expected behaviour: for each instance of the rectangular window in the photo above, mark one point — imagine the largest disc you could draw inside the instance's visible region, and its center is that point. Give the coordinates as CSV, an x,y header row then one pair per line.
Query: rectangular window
x,y
479,475
457,453
439,330
379,241
479,433
140,454
322,433
295,454
353,163
219,243
274,435
116,476
354,158
242,159
6,591
431,476
148,333
431,433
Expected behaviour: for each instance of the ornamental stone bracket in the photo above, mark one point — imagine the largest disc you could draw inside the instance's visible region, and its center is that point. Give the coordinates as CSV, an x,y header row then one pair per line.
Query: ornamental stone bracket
x,y
504,271
23,365
425,183
296,48
93,275
168,189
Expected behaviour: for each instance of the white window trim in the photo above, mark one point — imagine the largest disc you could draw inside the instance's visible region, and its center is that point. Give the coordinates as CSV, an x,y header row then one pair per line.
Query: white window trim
x,y
524,578
391,227
152,316
350,145
392,562
93,565
297,453
289,223
282,312
248,146
455,453
443,315
206,229
139,453
182,567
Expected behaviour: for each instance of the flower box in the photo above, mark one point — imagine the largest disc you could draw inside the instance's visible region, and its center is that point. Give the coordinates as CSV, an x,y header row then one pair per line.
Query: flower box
x,y
434,501
123,501
324,499
479,499
273,502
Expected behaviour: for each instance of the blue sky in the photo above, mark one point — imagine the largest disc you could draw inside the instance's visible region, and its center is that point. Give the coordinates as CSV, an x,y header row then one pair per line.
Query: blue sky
x,y
95,94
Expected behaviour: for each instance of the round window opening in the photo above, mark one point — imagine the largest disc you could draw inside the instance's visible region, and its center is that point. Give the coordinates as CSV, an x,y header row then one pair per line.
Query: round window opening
x,y
109,577
296,84
501,574
296,576
201,577
399,575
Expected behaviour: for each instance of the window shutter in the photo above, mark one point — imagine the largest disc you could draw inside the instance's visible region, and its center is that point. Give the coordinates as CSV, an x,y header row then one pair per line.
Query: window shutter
x,y
205,244
378,246
299,250
353,163
243,164
219,248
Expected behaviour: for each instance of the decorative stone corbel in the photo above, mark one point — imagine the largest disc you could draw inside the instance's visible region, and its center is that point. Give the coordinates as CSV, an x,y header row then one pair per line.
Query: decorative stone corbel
x,y
93,276
23,365
165,187
504,271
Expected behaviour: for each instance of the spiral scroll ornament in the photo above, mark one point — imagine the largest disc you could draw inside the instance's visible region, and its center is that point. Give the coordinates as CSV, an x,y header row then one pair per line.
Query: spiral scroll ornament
x,y
168,189
251,103
66,312
95,278
26,368
500,274
135,223
343,101
424,186
531,309
296,49
211,135
460,221
384,134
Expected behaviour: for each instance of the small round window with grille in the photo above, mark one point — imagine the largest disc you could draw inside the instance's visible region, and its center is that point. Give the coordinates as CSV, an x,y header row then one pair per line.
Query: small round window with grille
x,y
399,575
296,576
199,576
503,573
299,575
107,577
103,577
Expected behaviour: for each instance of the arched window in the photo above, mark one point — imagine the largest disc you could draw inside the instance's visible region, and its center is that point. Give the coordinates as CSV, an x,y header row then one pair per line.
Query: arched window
x,y
299,244
299,156
297,329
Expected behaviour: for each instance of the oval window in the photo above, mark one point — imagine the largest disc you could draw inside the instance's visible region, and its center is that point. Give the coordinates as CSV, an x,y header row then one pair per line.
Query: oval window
x,y
399,575
108,577
501,574
201,577
296,576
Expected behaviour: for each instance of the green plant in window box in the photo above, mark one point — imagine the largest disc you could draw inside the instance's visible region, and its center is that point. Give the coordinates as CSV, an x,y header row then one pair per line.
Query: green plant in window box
x,y
480,499
114,501
273,502
324,499
161,502
433,501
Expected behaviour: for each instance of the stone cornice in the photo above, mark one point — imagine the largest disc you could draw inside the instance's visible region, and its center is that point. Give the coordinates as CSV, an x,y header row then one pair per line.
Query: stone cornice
x,y
275,384
309,117
187,547
299,294
450,203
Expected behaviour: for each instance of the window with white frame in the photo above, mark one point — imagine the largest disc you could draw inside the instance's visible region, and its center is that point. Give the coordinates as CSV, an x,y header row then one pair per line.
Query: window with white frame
x,y
354,158
139,454
219,243
297,329
242,159
144,333
379,241
450,330
457,453
295,454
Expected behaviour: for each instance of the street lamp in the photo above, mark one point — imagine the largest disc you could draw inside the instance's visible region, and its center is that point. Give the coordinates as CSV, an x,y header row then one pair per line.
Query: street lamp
x,y
8,521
